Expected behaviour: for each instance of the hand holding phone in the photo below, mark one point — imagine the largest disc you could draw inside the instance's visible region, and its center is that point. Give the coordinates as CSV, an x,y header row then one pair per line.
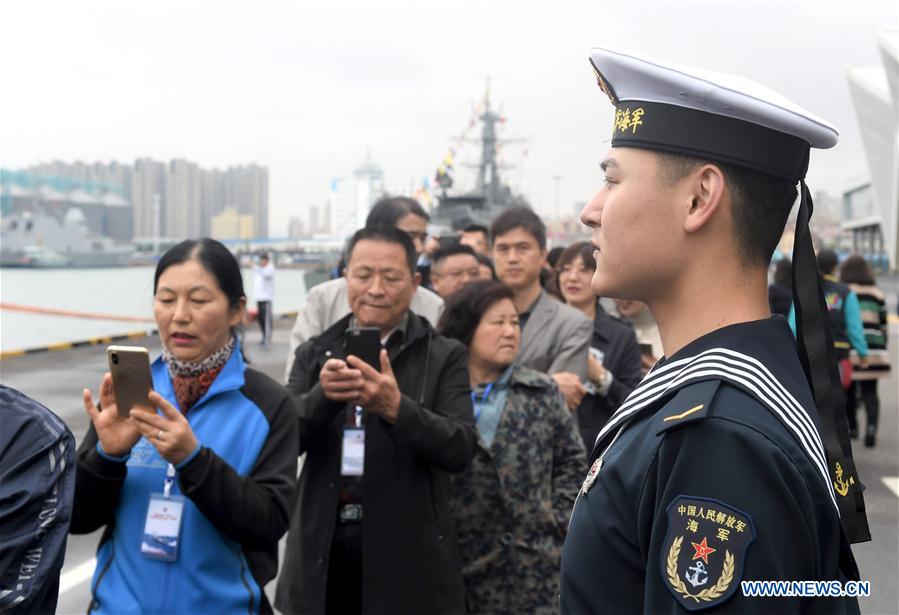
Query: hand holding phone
x,y
117,434
380,393
365,343
131,377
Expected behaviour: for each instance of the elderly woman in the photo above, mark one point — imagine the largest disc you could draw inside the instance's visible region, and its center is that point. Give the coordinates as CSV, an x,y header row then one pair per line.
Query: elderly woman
x,y
613,367
215,460
512,505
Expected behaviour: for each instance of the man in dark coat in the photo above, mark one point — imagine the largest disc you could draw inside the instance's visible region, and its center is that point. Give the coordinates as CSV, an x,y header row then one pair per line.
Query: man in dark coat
x,y
371,531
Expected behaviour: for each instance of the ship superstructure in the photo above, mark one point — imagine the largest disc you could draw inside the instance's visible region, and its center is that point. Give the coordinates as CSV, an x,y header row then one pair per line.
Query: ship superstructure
x,y
491,195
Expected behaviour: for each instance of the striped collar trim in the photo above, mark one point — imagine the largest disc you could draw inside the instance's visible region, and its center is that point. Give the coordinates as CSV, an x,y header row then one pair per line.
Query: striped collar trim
x,y
739,369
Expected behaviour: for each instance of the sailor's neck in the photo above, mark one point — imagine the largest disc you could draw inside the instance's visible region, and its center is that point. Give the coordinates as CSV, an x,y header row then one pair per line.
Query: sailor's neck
x,y
692,313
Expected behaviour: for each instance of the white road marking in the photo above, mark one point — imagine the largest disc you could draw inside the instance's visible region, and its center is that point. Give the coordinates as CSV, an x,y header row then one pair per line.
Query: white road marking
x,y
893,483
77,575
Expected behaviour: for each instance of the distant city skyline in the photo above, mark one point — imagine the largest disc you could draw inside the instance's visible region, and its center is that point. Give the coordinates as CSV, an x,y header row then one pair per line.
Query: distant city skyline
x,y
188,196
305,90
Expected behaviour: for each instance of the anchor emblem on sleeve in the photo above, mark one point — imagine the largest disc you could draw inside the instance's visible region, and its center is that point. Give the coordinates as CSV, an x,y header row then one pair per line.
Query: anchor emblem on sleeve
x,y
699,577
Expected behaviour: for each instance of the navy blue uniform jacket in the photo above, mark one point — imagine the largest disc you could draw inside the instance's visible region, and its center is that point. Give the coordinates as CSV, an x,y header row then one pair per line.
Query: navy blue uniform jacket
x,y
712,472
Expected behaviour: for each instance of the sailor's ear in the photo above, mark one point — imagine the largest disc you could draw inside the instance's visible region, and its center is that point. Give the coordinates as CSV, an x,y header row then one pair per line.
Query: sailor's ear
x,y
706,189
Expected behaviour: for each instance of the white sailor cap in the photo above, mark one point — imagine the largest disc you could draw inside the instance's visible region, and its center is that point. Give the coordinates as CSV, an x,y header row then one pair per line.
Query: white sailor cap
x,y
707,115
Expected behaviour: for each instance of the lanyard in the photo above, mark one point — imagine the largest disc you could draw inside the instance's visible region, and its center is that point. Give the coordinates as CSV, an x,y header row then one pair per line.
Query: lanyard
x,y
358,416
474,400
169,480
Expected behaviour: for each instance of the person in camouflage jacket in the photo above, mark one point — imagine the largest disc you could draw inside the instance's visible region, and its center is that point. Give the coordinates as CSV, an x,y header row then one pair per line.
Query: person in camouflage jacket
x,y
512,505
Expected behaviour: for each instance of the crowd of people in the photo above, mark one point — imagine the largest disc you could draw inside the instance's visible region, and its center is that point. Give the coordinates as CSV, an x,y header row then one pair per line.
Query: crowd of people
x,y
447,395
439,478
493,382
857,314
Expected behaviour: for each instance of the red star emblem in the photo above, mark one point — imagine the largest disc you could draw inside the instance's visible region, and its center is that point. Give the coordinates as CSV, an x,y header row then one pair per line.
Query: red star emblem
x,y
703,550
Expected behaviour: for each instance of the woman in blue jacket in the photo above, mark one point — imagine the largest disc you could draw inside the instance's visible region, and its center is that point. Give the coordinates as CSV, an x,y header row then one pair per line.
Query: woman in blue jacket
x,y
193,494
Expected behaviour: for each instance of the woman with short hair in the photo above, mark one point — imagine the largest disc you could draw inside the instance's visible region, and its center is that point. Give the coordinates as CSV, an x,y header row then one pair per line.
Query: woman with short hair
x,y
512,505
193,494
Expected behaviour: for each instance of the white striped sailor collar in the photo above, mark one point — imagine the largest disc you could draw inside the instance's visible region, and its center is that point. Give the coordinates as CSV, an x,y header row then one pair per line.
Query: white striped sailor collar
x,y
758,357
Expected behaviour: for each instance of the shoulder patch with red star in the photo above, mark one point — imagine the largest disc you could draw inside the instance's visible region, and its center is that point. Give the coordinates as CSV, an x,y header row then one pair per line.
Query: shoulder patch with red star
x,y
703,551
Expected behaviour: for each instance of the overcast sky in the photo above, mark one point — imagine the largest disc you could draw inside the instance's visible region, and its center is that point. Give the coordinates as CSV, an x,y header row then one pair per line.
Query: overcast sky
x,y
306,88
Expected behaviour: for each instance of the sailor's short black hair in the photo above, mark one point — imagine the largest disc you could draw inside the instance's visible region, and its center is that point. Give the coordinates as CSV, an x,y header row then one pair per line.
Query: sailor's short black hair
x,y
761,203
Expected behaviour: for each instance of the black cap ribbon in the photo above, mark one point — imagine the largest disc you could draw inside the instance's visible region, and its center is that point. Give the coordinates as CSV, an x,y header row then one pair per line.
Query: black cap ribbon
x,y
816,353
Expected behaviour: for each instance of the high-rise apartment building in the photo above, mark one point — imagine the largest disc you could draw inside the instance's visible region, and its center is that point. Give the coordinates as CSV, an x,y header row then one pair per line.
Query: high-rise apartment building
x,y
183,202
147,192
246,189
188,196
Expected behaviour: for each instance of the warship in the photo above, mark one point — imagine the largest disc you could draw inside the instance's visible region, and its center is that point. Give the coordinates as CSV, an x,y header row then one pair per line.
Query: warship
x,y
491,195
41,239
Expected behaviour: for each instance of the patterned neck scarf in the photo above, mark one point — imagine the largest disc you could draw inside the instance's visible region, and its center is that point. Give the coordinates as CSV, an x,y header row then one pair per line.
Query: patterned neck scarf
x,y
191,379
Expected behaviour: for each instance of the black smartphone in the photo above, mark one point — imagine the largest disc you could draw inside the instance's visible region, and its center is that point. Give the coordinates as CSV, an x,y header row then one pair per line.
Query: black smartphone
x,y
365,343
131,378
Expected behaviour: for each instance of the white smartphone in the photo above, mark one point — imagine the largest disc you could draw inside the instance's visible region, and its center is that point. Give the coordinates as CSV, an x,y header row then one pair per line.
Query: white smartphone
x,y
131,378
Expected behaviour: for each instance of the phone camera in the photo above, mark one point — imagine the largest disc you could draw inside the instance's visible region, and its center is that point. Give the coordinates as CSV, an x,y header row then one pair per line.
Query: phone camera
x,y
115,359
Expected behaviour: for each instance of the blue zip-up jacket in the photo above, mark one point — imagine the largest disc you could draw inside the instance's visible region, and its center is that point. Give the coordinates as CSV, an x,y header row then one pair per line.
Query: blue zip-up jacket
x,y
236,488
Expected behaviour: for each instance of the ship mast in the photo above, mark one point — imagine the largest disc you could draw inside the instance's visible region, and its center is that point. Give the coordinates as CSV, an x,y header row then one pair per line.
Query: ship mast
x,y
488,173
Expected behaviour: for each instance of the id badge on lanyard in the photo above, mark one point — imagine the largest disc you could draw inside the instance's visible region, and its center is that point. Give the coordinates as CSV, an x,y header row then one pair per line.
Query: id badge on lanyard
x,y
162,529
352,457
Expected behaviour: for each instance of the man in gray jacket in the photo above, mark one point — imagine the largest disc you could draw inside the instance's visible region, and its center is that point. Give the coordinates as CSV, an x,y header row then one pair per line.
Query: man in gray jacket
x,y
555,338
327,303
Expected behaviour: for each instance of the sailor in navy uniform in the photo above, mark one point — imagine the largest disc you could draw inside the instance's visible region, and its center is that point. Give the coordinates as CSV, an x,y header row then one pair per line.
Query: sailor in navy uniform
x,y
718,468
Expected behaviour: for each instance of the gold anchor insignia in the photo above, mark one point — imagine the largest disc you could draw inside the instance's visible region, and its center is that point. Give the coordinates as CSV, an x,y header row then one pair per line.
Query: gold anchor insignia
x,y
706,595
841,486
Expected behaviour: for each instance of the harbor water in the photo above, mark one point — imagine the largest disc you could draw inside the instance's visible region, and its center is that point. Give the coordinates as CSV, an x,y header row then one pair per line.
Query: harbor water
x,y
123,291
